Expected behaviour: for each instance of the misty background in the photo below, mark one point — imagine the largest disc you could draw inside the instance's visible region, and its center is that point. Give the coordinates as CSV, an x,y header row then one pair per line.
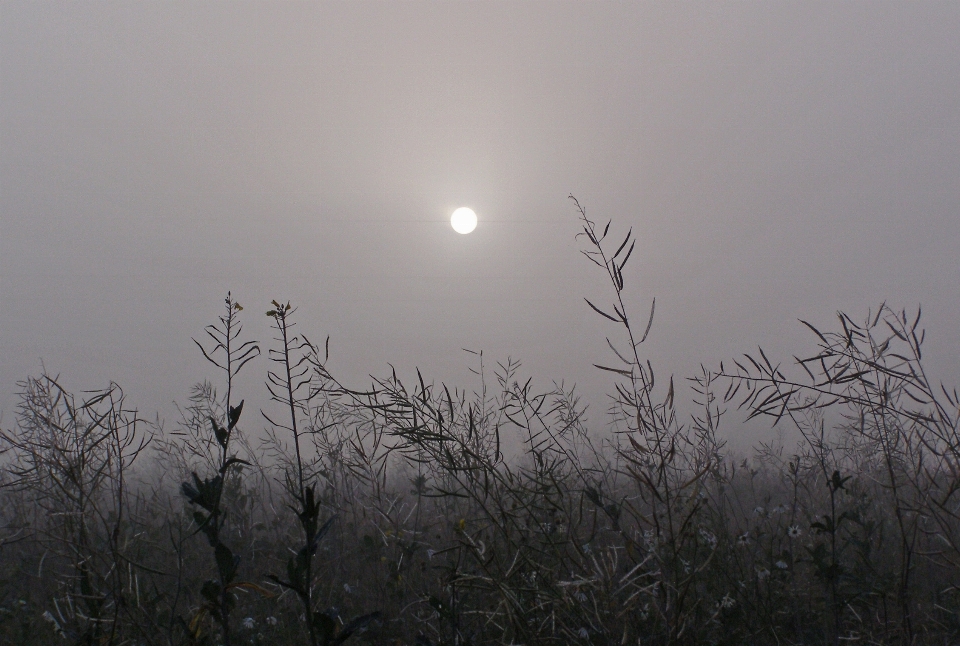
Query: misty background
x,y
776,160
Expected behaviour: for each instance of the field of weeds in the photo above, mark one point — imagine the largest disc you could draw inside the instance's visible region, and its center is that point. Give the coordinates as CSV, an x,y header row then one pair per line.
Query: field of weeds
x,y
391,515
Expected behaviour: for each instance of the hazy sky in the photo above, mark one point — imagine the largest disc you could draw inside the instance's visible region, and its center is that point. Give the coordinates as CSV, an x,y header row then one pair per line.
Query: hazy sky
x,y
777,161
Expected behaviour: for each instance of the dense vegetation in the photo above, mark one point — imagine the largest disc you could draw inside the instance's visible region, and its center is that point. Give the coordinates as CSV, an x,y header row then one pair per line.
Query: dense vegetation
x,y
391,515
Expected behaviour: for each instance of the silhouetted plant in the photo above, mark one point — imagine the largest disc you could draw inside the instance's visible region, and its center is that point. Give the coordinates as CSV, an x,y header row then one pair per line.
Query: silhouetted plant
x,y
874,375
230,355
666,459
72,459
289,385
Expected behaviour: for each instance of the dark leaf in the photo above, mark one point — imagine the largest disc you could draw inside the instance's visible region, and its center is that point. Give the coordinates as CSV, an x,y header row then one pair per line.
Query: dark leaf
x,y
624,243
601,312
625,373
234,415
211,591
220,433
325,625
226,562
230,462
653,308
355,625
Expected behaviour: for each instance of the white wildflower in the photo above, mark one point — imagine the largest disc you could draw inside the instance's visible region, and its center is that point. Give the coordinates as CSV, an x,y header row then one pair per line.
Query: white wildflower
x,y
271,621
708,538
758,511
794,531
743,539
347,588
781,564
762,573
583,633
248,623
649,539
727,601
50,619
645,612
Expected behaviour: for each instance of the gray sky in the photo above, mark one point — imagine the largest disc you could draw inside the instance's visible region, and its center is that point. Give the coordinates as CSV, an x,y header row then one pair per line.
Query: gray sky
x,y
777,160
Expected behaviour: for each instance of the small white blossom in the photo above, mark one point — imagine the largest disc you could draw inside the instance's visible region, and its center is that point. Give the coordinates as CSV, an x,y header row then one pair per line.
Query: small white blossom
x,y
727,601
347,588
781,564
645,612
49,618
758,511
794,531
743,539
248,623
708,538
762,573
583,633
649,539
271,621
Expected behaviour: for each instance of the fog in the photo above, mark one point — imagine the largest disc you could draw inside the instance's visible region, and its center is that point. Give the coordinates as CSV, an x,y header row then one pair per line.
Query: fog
x,y
776,161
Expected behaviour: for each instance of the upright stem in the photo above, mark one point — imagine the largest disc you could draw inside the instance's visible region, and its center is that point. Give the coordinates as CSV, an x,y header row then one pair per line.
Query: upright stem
x,y
288,397
224,603
236,356
282,324
834,573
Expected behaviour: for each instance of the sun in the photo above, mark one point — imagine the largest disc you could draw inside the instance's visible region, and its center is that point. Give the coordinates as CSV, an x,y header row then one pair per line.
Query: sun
x,y
463,220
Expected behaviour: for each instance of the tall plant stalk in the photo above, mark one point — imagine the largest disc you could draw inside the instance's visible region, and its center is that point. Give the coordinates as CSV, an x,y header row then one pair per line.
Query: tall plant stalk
x,y
230,355
288,385
664,458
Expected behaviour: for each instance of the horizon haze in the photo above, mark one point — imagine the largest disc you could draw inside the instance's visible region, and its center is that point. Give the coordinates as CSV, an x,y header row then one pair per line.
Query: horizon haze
x,y
776,162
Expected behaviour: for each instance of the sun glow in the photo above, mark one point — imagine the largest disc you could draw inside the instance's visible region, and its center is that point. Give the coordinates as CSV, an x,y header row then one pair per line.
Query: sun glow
x,y
463,220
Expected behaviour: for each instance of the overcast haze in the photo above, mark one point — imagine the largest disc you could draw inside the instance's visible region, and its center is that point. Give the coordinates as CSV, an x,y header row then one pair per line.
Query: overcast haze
x,y
776,160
